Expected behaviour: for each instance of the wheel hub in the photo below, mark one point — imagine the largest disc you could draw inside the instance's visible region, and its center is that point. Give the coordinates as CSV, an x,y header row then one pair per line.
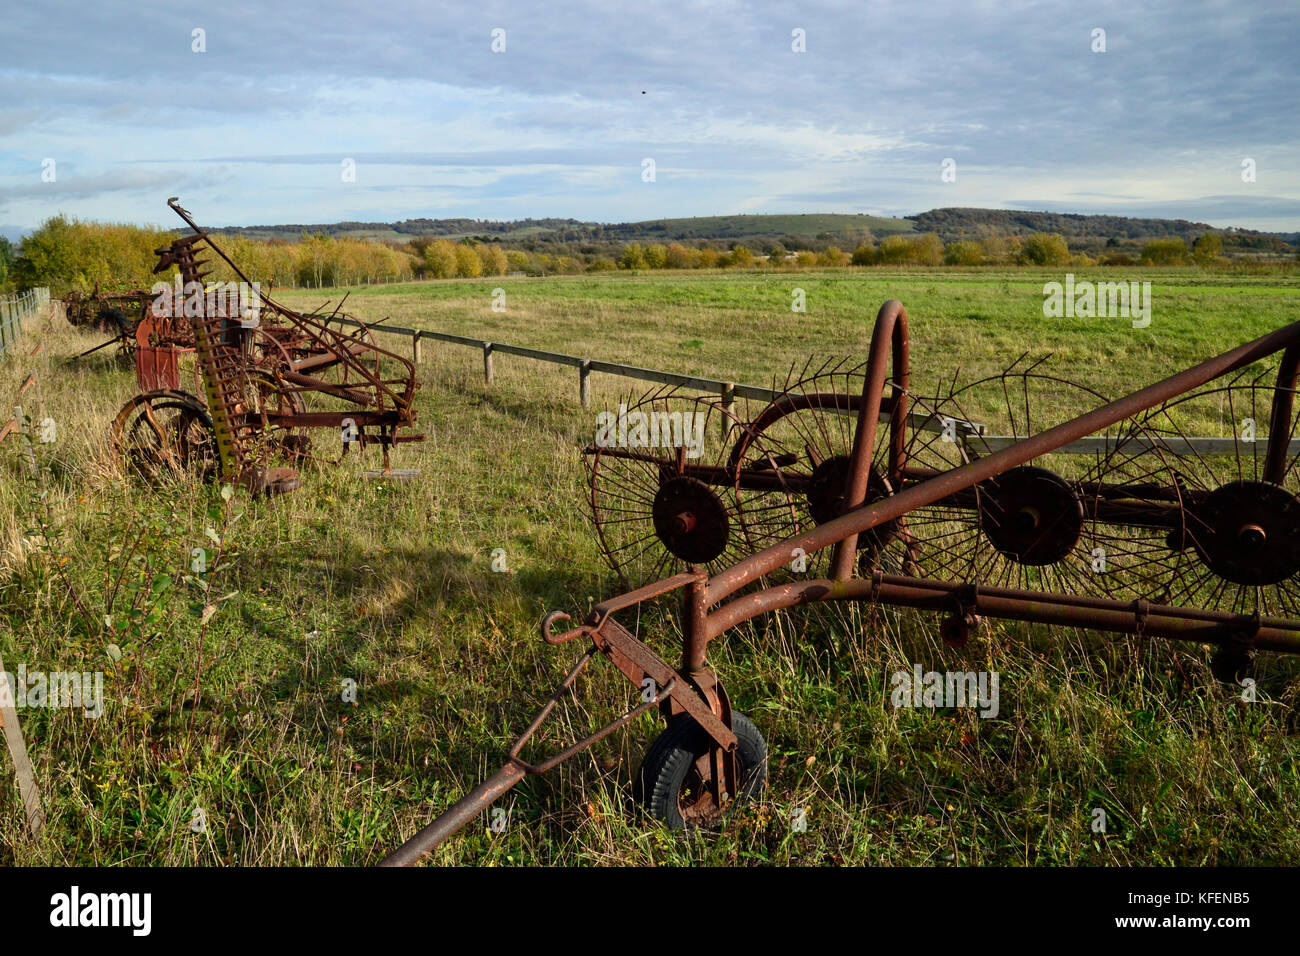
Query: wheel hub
x,y
1031,515
1248,532
690,519
826,498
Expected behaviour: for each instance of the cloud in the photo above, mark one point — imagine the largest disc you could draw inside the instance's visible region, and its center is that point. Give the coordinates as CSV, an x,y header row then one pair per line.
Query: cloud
x,y
712,90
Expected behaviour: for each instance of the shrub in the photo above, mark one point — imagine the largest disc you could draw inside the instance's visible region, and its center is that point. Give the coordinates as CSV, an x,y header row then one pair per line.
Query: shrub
x,y
965,252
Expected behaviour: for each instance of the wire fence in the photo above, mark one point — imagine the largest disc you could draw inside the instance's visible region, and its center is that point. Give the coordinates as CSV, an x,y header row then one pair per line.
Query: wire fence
x,y
15,308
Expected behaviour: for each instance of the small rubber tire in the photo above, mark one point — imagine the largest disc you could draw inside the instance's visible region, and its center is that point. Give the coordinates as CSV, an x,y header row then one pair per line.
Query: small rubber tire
x,y
671,756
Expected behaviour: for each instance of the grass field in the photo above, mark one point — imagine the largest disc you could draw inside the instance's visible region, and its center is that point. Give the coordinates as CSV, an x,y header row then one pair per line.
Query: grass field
x,y
391,585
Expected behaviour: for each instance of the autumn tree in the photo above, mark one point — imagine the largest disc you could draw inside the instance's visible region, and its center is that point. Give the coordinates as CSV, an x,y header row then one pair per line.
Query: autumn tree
x,y
1165,252
864,255
895,250
677,256
741,257
633,256
468,264
493,259
1045,249
965,252
440,259
1207,249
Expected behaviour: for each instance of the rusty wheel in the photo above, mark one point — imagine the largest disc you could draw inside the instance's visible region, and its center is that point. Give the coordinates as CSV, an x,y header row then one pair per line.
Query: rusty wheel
x,y
165,434
673,783
1233,543
269,398
808,432
1060,522
114,322
662,494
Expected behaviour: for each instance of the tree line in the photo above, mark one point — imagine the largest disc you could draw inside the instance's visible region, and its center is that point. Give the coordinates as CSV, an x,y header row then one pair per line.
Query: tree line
x,y
67,254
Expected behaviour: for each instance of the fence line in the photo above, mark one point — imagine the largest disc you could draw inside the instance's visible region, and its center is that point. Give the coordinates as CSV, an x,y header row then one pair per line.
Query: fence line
x,y
726,391
969,433
15,308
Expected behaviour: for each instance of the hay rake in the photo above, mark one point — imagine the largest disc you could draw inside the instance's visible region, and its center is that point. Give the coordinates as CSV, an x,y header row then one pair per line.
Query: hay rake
x,y
255,374
117,313
1116,520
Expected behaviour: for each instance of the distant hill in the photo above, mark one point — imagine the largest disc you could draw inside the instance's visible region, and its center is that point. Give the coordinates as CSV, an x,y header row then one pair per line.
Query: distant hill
x,y
803,226
809,230
825,226
408,228
954,222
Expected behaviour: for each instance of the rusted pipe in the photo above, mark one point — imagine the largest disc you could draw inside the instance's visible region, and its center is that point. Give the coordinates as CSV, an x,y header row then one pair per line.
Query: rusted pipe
x,y
1279,428
458,815
888,342
1066,610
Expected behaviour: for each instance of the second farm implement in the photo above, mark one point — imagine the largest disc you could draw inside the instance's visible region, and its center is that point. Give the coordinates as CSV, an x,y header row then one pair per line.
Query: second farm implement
x,y
258,364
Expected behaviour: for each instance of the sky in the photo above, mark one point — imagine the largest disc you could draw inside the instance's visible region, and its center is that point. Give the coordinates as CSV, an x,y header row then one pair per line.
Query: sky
x,y
109,108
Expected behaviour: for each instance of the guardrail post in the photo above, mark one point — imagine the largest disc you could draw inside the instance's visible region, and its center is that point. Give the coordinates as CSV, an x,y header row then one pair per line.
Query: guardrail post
x,y
584,383
487,362
728,406
415,347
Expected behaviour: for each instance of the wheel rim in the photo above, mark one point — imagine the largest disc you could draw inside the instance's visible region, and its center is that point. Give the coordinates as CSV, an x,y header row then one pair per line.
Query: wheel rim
x,y
1233,550
165,436
656,509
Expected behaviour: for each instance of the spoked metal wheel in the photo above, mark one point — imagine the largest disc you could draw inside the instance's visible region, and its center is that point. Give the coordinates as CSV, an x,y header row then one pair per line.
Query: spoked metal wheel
x,y
115,322
808,431
269,400
1237,546
663,494
1064,521
165,435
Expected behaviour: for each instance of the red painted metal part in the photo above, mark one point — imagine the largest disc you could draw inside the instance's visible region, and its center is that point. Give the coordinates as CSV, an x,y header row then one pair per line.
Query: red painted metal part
x,y
155,365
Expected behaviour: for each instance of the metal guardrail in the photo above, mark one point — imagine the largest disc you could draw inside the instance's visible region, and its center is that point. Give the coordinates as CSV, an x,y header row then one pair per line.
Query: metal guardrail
x,y
970,433
15,308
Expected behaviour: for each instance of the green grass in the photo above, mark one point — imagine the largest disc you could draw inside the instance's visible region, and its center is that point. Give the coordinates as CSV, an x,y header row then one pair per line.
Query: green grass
x,y
391,585
741,327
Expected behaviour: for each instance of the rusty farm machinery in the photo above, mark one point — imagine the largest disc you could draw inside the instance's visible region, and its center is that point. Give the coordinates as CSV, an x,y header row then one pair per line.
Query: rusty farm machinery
x,y
257,365
120,315
848,487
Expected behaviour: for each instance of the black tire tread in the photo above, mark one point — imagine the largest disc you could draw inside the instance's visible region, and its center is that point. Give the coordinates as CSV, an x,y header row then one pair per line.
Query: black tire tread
x,y
670,755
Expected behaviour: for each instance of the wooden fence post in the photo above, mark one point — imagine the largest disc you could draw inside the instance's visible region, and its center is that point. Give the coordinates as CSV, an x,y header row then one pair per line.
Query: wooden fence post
x,y
13,733
584,383
415,347
728,406
487,362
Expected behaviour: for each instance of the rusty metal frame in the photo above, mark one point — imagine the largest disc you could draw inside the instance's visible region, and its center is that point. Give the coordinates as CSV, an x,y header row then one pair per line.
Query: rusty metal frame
x,y
712,606
287,354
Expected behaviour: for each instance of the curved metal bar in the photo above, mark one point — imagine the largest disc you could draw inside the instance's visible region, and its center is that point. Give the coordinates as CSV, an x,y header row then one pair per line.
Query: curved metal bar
x,y
890,334
1279,428
1067,610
